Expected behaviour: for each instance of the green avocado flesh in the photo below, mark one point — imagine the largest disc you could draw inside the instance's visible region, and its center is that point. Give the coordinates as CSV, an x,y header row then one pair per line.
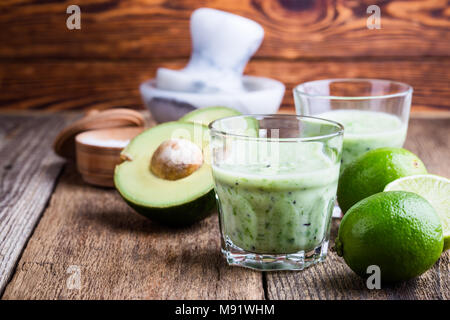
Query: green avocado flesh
x,y
207,115
175,202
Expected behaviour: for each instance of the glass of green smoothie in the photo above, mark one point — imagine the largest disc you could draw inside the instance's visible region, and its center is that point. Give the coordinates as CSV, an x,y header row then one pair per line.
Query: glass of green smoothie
x,y
275,182
373,112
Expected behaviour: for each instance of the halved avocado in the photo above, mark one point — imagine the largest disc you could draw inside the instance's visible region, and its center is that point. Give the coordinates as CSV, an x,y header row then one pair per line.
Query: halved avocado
x,y
207,115
154,191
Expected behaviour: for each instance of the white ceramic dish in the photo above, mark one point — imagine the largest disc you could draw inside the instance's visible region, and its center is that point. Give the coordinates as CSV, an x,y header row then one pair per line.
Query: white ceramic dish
x,y
262,96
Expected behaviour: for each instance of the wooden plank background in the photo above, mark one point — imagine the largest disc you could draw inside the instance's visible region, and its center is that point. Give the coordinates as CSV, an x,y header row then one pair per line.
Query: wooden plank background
x,y
122,255
43,65
119,29
28,171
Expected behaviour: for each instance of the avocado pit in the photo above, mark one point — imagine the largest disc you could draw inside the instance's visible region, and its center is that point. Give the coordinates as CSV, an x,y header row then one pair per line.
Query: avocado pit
x,y
176,159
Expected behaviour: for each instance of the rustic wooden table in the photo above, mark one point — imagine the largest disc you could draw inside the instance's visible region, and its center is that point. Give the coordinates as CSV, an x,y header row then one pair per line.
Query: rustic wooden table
x,y
50,220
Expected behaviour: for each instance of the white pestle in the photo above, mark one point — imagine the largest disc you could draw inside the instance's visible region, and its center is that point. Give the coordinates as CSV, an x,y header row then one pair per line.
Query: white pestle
x,y
222,45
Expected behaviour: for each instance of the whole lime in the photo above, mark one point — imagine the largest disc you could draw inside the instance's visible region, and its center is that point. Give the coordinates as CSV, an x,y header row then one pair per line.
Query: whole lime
x,y
435,189
372,171
397,231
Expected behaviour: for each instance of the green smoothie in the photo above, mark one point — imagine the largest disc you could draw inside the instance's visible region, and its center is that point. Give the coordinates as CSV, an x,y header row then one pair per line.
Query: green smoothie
x,y
367,130
282,208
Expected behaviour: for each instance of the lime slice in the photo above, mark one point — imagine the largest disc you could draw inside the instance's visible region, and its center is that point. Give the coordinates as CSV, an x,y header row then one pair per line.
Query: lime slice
x,y
433,188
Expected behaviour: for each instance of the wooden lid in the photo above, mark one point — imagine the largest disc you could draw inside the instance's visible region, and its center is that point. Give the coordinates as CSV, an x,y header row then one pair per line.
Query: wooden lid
x,y
64,144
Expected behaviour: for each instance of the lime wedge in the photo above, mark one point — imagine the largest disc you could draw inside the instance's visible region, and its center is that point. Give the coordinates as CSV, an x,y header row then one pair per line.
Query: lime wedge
x,y
433,188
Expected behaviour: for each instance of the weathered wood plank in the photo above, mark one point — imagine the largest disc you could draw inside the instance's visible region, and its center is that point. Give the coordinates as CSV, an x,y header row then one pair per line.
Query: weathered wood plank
x,y
63,85
122,255
28,171
118,29
334,280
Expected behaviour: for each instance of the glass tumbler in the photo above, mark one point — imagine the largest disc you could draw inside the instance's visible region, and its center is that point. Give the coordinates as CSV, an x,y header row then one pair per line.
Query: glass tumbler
x,y
275,182
374,113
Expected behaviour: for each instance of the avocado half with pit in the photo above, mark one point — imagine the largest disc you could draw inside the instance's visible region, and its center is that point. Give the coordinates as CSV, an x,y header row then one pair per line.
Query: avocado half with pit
x,y
166,175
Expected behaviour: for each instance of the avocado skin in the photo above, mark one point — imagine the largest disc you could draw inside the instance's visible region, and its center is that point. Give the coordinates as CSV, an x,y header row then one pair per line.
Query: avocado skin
x,y
181,215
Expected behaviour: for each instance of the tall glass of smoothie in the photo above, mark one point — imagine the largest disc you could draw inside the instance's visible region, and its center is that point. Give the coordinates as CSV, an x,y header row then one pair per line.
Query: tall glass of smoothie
x,y
373,112
275,181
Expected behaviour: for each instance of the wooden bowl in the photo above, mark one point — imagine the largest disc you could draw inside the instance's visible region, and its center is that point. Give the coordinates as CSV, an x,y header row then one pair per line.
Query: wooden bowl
x,y
64,144
98,153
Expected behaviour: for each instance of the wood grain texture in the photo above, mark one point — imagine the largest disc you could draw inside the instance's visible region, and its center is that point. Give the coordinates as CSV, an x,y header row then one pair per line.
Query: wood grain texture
x,y
28,171
117,29
333,279
64,85
122,255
